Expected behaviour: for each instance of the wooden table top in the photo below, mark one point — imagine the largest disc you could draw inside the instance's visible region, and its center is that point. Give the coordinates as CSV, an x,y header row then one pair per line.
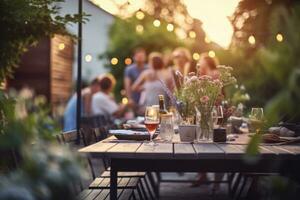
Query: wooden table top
x,y
114,148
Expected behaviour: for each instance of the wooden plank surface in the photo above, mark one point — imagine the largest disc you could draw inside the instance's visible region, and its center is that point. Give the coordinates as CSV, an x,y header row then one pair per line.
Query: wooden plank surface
x,y
294,149
161,150
208,150
99,147
184,151
124,150
231,151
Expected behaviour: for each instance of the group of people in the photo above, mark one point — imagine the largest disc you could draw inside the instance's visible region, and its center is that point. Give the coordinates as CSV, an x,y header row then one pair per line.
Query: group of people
x,y
143,82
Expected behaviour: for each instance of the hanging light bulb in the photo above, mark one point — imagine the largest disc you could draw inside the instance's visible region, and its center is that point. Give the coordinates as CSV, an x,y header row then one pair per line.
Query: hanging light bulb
x,y
140,15
196,56
156,23
211,54
114,61
170,27
251,40
279,37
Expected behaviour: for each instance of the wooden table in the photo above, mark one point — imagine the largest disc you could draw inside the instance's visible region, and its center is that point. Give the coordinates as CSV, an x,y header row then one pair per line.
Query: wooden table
x,y
188,157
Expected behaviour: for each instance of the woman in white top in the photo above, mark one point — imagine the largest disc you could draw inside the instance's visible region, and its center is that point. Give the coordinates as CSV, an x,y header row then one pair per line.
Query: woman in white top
x,y
103,103
153,80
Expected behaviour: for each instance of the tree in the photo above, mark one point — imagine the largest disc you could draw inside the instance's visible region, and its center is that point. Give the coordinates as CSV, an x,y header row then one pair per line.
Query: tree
x,y
25,22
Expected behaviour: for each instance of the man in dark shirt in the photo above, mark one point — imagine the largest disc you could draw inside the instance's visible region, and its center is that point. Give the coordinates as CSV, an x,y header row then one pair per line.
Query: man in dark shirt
x,y
132,72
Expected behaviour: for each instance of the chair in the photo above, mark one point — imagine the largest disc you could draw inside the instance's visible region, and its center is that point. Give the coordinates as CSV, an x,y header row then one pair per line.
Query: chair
x,y
103,194
126,180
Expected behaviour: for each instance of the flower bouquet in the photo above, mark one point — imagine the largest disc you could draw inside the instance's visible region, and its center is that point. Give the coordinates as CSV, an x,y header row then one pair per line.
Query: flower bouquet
x,y
199,94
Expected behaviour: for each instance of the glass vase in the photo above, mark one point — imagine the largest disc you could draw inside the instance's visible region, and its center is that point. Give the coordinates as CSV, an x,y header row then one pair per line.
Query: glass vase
x,y
205,125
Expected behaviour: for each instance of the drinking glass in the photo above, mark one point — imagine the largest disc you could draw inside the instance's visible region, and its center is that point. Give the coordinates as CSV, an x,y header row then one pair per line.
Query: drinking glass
x,y
256,119
217,113
151,121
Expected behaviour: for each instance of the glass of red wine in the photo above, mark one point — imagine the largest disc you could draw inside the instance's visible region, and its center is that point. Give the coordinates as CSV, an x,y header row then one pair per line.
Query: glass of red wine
x,y
151,121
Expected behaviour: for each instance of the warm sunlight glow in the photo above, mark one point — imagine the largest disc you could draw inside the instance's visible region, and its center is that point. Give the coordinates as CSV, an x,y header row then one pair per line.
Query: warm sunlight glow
x,y
213,13
279,37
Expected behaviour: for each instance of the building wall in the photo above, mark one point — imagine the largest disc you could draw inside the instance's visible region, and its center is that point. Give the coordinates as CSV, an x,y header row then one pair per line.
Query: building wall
x,y
95,37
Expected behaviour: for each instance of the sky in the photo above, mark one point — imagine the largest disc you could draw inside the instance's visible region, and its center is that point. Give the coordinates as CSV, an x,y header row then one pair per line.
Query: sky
x,y
213,14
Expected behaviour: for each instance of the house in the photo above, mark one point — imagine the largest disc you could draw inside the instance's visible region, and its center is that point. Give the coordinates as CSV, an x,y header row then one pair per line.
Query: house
x,y
94,37
50,67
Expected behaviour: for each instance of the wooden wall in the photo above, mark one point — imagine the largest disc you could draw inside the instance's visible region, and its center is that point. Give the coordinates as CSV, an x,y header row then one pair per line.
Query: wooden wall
x,y
33,70
47,68
61,60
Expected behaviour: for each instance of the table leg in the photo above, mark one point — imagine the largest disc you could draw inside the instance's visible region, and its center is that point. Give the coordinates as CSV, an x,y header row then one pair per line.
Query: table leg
x,y
113,184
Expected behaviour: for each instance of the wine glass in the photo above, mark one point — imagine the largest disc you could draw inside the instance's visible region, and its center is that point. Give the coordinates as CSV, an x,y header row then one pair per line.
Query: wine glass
x,y
256,118
217,114
151,121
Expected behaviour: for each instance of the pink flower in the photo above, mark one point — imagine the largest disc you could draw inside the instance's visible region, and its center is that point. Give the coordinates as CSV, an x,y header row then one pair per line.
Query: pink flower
x,y
194,78
204,99
205,77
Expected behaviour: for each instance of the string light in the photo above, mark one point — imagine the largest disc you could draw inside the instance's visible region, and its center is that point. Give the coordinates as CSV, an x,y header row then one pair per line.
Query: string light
x,y
156,23
170,27
61,46
251,40
114,61
207,40
279,37
196,56
128,61
211,54
124,100
192,34
88,58
139,28
140,15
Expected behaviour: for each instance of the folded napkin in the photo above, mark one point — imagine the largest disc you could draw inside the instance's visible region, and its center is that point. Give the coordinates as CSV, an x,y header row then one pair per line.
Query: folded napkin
x,y
128,132
282,131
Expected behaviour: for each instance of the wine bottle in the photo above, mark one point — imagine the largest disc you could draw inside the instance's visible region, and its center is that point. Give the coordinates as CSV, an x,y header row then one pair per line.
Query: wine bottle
x,y
162,108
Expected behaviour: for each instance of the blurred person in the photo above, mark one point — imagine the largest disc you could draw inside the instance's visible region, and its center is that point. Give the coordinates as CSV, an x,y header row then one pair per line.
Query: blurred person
x,y
153,80
208,66
182,60
132,72
71,108
103,103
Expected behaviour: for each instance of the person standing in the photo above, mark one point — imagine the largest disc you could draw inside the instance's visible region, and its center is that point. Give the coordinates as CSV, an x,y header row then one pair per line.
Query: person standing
x,y
132,72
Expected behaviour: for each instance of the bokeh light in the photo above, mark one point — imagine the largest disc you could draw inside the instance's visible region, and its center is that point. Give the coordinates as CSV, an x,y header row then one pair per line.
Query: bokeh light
x,y
156,23
207,40
196,56
279,37
61,46
128,61
139,28
192,34
140,15
124,100
170,27
211,54
114,61
88,58
251,40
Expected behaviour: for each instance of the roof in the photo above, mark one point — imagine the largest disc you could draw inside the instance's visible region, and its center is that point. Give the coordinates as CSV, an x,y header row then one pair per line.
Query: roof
x,y
92,3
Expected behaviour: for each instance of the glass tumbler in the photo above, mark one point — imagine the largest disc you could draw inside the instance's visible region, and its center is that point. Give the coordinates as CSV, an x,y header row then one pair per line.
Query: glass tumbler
x,y
166,127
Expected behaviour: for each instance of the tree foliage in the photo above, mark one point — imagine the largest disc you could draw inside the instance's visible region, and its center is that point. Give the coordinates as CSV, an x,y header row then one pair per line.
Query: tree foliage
x,y
25,22
270,71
